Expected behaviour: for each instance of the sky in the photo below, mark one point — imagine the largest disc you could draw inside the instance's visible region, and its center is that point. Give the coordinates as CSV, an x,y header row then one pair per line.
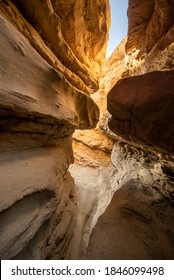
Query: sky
x,y
119,24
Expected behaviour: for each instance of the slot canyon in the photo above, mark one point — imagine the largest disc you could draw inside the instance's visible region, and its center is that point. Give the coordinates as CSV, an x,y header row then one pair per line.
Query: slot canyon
x,y
86,142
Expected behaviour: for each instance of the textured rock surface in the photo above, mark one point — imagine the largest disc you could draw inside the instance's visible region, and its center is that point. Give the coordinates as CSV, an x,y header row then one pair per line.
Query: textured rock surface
x,y
136,225
51,59
93,147
141,107
113,68
45,83
150,36
137,222
77,50
36,89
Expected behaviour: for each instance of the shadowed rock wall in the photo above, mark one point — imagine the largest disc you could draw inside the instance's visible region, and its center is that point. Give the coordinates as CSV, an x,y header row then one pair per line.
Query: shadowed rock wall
x,y
137,223
142,106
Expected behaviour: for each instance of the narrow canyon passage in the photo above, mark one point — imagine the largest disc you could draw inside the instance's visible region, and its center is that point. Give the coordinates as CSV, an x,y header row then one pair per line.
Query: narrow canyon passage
x,y
86,142
94,195
88,191
122,207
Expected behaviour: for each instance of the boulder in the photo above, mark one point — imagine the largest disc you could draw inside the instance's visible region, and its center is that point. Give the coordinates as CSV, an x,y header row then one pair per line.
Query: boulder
x,y
142,109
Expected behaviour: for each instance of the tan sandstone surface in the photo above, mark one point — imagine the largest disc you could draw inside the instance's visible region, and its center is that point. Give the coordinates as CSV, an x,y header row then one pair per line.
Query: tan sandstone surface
x,y
116,201
45,84
93,147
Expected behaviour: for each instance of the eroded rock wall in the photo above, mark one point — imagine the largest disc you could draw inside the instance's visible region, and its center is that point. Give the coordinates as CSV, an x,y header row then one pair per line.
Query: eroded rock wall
x,y
137,222
149,96
150,44
45,82
93,148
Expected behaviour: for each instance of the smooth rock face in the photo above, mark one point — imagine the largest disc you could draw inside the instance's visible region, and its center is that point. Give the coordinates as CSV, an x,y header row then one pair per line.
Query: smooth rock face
x,y
142,110
44,96
144,31
38,199
136,225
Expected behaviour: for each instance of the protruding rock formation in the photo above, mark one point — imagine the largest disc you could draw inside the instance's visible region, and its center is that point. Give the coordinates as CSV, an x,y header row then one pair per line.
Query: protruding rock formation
x,y
78,53
141,107
46,75
137,222
51,59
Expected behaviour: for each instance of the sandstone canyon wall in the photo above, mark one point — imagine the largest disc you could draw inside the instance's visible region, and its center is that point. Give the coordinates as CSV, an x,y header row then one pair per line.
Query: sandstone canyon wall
x,y
52,57
150,36
93,171
50,61
93,148
138,222
143,105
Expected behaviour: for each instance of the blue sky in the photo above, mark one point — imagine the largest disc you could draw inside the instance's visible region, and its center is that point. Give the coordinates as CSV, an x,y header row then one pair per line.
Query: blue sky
x,y
119,24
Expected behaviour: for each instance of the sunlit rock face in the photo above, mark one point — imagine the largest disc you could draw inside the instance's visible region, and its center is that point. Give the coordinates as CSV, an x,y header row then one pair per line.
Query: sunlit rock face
x,y
94,147
113,68
76,39
150,36
44,96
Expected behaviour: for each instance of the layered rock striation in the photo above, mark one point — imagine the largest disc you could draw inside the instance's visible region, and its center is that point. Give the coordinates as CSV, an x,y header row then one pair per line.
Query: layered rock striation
x,y
45,82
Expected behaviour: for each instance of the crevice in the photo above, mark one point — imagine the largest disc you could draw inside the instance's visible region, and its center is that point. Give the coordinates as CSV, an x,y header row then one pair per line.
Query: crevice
x,y
86,176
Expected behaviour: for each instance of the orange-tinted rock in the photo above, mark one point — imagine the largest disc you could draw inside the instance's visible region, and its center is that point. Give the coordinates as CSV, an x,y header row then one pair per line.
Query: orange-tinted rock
x,y
113,68
148,22
150,36
142,109
83,47
95,140
44,95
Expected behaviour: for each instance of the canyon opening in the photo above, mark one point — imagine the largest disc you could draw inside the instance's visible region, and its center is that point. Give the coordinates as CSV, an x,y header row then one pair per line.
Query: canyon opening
x,y
86,141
